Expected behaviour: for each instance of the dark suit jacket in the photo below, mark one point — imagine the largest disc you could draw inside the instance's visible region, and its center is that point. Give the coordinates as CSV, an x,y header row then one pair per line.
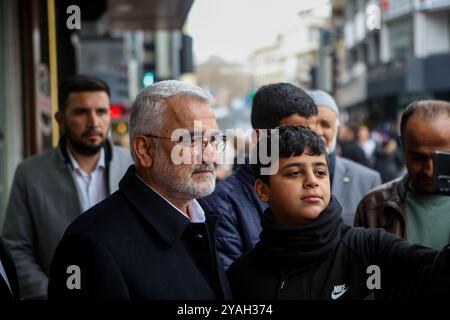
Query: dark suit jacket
x,y
10,270
135,245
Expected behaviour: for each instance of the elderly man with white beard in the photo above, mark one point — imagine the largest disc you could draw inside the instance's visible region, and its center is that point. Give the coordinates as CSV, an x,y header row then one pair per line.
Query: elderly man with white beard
x,y
151,239
350,181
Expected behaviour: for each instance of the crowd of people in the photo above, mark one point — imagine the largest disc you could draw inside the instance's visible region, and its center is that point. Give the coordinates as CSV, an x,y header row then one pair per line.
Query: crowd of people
x,y
91,220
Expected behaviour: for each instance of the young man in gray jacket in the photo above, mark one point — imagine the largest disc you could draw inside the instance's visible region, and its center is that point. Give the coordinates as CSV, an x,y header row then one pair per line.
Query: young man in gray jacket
x,y
51,189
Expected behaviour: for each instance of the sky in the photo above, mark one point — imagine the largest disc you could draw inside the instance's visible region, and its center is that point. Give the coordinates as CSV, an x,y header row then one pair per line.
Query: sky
x,y
233,29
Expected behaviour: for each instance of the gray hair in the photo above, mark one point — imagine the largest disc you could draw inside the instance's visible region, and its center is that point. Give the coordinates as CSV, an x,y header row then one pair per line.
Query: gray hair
x,y
148,107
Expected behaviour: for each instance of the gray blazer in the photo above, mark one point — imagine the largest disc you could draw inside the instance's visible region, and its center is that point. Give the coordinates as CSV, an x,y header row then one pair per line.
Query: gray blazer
x,y
351,181
44,201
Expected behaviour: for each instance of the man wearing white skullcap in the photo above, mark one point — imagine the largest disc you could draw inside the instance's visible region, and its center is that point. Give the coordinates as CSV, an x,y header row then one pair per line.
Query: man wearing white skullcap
x,y
350,181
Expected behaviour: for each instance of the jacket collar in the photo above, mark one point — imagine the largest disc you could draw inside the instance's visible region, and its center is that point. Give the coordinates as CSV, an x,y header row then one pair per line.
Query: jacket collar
x,y
245,171
396,199
403,187
64,161
165,219
397,195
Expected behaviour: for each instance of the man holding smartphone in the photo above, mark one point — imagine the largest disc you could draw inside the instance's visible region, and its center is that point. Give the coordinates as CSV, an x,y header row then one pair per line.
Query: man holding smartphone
x,y
442,171
410,206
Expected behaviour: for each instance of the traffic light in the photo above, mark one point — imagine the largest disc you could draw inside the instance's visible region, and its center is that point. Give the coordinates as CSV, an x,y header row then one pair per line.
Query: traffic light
x,y
121,128
116,111
251,95
148,79
149,60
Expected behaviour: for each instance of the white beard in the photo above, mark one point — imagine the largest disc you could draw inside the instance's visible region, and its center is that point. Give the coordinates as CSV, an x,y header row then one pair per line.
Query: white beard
x,y
331,147
165,173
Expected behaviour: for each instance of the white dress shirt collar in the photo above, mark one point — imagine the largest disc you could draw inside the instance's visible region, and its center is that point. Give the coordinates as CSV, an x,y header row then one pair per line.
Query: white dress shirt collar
x,y
100,163
194,208
91,187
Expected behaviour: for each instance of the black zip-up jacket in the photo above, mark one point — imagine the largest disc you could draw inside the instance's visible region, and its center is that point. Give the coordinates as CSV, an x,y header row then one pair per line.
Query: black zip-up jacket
x,y
350,270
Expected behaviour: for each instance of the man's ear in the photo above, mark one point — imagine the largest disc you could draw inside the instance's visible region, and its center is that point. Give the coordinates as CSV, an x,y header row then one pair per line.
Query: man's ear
x,y
144,151
59,117
262,190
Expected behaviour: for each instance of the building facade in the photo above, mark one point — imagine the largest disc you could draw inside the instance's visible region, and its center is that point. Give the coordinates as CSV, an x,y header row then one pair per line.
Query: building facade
x,y
402,57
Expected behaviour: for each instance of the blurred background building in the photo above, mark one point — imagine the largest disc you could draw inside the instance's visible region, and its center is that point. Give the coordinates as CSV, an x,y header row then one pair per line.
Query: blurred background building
x,y
381,66
293,54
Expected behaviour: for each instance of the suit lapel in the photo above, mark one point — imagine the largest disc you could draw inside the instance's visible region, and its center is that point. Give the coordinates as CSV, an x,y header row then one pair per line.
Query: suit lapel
x,y
68,190
115,174
341,181
170,225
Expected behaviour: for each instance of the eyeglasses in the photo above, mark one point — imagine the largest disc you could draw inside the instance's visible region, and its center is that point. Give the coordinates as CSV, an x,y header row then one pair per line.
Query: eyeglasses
x,y
218,142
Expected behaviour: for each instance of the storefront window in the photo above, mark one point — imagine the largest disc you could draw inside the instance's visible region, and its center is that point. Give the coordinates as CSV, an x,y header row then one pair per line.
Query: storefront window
x,y
401,38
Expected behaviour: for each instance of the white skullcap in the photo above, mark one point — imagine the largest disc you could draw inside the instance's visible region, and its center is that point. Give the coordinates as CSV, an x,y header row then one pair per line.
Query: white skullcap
x,y
323,99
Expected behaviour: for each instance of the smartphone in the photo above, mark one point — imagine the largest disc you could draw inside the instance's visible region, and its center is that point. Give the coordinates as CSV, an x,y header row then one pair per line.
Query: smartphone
x,y
441,173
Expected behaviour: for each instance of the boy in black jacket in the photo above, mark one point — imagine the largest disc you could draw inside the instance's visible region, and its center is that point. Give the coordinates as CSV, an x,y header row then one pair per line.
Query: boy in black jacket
x,y
306,252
